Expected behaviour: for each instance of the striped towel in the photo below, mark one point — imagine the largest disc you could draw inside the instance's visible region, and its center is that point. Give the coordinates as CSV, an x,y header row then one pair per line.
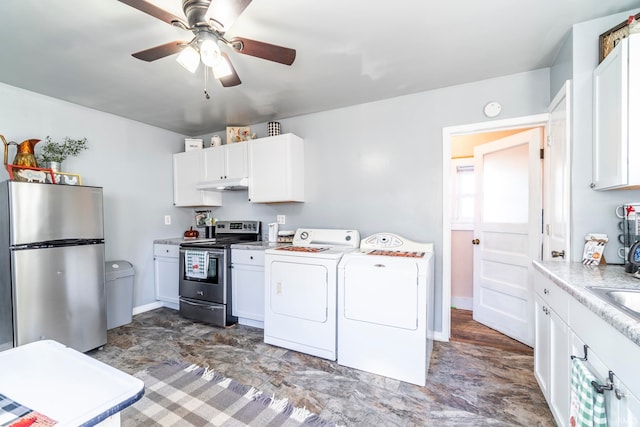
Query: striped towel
x,y
587,405
196,264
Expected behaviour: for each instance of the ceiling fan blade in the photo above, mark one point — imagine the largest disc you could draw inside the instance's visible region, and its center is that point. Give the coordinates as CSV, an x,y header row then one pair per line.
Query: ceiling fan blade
x,y
160,51
263,50
232,79
225,12
153,10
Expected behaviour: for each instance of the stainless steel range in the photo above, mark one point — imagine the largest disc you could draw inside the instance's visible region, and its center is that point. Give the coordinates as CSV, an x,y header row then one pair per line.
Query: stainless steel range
x,y
205,272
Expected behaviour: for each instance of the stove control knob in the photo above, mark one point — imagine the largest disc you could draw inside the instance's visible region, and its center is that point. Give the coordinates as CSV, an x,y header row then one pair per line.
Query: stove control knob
x,y
348,238
304,235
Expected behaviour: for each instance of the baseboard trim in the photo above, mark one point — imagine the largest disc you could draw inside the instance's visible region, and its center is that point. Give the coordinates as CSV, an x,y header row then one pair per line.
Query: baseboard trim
x,y
147,307
463,303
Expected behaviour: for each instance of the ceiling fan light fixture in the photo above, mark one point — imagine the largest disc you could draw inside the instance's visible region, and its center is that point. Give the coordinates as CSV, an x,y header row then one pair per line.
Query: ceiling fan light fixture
x,y
209,52
189,59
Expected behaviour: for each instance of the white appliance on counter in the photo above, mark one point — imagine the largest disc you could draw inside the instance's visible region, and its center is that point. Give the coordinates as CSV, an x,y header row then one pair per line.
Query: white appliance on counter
x,y
385,308
300,290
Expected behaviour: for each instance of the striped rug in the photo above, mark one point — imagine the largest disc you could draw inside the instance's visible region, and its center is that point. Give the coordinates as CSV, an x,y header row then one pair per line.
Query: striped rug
x,y
182,395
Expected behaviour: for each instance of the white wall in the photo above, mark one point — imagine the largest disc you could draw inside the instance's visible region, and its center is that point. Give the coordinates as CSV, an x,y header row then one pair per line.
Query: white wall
x,y
130,160
378,166
592,211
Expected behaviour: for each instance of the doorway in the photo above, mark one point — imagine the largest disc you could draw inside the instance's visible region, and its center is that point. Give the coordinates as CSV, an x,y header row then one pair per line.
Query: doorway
x,y
481,133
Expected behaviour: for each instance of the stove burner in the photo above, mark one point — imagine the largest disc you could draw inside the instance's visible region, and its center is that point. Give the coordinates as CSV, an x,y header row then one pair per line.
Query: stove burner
x,y
397,253
309,249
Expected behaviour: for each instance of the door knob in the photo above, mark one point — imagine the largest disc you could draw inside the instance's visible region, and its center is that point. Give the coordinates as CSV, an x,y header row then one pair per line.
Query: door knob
x,y
556,254
476,241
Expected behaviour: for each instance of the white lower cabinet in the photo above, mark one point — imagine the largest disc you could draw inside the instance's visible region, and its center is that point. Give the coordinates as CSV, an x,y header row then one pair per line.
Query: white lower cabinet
x,y
551,346
247,284
609,350
622,407
562,327
165,262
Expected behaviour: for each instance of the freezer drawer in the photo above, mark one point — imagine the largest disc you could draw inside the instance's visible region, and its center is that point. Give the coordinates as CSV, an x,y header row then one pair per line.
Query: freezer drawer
x,y
59,295
44,212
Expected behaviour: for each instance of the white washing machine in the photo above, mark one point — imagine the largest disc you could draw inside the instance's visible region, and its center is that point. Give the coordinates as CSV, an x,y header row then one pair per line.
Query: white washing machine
x,y
385,308
301,290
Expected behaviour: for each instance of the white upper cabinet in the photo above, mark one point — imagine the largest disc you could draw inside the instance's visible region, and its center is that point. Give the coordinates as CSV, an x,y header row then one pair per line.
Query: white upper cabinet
x,y
616,135
276,169
188,170
225,162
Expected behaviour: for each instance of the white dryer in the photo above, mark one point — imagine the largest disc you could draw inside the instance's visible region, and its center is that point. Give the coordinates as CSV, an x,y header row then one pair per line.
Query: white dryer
x,y
301,290
385,308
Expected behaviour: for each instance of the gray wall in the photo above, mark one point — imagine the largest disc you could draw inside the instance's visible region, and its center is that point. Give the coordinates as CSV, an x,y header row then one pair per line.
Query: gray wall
x,y
592,211
378,166
132,161
562,68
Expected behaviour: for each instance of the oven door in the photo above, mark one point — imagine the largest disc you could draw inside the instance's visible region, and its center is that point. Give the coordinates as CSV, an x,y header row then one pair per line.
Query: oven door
x,y
212,288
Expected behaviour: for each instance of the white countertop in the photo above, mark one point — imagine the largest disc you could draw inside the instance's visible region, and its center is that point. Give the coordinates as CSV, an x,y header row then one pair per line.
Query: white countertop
x,y
64,384
575,277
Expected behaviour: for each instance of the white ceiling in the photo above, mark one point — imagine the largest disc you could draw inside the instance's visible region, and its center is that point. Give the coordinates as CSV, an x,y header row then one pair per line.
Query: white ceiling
x,y
348,52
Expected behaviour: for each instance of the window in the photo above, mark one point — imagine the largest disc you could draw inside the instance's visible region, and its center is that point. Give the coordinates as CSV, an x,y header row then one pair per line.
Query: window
x,y
463,191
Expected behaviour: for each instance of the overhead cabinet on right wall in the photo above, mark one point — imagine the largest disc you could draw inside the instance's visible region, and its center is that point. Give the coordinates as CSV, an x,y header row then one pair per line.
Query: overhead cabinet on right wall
x,y
276,169
616,108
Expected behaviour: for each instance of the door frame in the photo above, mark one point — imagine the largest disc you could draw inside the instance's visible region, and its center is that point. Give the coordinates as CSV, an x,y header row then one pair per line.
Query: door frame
x,y
538,120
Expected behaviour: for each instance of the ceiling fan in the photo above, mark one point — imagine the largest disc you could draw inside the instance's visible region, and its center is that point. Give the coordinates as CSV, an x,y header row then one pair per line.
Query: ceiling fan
x,y
209,20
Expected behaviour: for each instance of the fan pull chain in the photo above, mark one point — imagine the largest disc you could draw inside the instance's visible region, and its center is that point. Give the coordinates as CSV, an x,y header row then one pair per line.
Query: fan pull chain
x,y
206,94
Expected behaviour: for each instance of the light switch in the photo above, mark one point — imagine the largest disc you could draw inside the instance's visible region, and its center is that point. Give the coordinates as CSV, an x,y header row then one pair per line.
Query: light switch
x,y
280,219
167,220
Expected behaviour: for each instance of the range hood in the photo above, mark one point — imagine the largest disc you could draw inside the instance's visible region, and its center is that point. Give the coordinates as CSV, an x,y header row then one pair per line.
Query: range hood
x,y
237,184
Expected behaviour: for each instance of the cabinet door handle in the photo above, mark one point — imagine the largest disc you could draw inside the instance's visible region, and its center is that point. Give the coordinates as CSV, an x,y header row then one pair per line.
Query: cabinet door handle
x,y
476,241
556,254
546,291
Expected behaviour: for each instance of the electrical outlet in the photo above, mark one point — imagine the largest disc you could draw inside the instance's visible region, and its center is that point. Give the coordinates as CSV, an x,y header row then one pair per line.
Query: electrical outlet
x,y
280,219
167,220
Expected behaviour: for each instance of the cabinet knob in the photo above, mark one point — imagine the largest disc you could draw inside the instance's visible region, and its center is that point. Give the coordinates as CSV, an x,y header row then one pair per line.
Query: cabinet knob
x,y
251,257
592,185
476,241
546,291
556,254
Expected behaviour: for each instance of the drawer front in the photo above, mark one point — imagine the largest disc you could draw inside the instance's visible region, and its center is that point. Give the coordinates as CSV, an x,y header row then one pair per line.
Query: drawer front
x,y
249,257
556,298
171,251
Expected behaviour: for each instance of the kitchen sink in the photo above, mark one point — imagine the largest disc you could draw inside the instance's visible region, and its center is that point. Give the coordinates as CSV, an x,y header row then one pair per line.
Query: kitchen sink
x,y
628,300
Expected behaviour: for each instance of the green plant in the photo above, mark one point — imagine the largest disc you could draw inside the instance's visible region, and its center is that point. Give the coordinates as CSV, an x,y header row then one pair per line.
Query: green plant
x,y
59,151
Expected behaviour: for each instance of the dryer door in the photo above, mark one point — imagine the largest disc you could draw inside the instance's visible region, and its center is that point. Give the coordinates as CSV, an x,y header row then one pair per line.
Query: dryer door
x,y
299,290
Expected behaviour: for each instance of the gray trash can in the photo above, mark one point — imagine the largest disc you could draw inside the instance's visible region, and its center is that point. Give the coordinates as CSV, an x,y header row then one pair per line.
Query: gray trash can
x,y
119,292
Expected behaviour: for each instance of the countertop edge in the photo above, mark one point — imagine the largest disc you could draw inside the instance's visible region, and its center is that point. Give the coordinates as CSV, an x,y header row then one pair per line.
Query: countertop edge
x,y
566,276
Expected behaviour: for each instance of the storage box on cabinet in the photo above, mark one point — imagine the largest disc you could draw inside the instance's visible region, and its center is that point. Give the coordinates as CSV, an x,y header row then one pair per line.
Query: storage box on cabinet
x,y
616,106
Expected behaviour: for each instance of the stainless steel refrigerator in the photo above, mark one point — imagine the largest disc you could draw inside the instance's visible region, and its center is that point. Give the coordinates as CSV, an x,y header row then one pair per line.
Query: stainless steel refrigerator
x,y
52,265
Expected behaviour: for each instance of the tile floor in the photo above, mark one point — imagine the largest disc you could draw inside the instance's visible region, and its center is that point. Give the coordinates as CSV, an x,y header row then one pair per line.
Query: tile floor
x,y
467,384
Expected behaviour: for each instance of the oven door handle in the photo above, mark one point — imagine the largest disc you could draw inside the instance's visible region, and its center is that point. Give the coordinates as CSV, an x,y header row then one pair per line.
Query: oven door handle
x,y
208,306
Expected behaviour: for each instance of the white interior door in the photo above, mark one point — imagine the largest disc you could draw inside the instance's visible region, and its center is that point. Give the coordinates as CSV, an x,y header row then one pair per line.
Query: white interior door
x,y
557,179
507,232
